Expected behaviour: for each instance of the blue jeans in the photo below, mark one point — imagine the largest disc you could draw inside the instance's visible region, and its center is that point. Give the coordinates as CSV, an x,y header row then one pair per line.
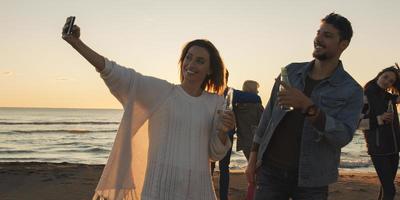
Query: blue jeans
x,y
273,183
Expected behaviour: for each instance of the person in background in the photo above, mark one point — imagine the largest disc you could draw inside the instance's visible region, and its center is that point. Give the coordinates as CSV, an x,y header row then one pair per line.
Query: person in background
x,y
250,86
380,124
247,118
238,97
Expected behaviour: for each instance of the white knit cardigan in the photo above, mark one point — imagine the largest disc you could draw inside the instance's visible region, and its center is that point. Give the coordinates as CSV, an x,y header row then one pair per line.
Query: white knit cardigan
x,y
124,174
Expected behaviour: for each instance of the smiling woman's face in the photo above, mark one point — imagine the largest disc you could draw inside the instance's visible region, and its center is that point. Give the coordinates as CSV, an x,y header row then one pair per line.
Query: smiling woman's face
x,y
386,79
196,65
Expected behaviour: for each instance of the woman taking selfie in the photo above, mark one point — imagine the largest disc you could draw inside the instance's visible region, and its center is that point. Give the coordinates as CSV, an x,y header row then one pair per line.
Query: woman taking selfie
x,y
380,124
183,126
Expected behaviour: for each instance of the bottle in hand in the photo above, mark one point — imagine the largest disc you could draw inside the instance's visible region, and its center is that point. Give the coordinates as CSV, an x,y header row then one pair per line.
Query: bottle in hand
x,y
229,100
390,107
227,106
285,79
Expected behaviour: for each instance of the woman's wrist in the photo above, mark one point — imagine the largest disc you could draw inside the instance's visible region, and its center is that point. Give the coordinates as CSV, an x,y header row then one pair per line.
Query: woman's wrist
x,y
379,120
75,42
223,136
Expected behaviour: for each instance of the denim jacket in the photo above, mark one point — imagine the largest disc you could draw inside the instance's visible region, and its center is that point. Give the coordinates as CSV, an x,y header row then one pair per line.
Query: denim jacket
x,y
340,98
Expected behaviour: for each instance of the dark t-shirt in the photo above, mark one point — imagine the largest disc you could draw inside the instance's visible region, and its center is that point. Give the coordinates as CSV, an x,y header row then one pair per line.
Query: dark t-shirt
x,y
284,148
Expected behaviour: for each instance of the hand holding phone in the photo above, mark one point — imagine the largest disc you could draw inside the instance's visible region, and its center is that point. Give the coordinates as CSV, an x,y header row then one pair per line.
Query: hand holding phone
x,y
69,24
71,32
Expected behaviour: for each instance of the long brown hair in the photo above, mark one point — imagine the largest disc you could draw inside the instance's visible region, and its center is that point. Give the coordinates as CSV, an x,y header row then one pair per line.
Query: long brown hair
x,y
214,82
395,88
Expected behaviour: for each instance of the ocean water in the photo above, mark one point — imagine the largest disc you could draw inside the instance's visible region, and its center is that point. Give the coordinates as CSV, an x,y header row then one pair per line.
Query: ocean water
x,y
86,136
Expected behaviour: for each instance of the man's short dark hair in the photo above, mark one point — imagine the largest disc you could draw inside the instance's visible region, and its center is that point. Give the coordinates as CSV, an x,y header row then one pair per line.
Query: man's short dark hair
x,y
341,23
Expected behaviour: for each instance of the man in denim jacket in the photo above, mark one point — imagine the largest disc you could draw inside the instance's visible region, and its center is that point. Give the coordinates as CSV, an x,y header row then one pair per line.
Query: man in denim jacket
x,y
296,153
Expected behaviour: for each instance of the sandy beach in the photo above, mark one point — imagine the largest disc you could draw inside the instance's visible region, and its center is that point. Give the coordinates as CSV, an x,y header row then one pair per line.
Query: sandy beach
x,y
42,181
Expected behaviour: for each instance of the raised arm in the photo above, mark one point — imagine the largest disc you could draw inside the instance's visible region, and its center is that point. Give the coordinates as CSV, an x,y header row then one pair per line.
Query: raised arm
x,y
74,40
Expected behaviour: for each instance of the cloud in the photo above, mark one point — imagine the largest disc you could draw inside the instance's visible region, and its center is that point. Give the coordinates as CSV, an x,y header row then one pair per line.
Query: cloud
x,y
6,73
63,79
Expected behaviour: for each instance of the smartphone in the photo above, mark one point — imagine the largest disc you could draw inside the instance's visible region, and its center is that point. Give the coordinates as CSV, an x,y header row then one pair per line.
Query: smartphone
x,y
69,24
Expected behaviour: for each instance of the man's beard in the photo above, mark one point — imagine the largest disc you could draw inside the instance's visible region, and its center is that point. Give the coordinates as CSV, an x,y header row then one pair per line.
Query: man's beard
x,y
320,56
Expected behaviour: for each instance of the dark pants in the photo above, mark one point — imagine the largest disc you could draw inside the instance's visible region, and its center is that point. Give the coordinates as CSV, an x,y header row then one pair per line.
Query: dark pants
x,y
224,173
273,183
386,168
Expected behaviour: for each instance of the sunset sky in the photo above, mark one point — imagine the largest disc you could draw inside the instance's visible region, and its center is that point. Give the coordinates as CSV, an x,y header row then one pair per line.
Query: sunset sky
x,y
255,39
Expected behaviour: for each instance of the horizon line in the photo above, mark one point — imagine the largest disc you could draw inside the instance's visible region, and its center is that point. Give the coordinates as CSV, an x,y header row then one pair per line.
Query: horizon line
x,y
39,107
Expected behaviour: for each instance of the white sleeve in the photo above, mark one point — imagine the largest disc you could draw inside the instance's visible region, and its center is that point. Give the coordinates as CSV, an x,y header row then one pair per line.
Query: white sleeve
x,y
123,81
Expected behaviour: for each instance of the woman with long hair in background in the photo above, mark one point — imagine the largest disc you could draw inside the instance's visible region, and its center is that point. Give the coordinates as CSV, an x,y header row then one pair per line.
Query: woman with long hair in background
x,y
380,124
